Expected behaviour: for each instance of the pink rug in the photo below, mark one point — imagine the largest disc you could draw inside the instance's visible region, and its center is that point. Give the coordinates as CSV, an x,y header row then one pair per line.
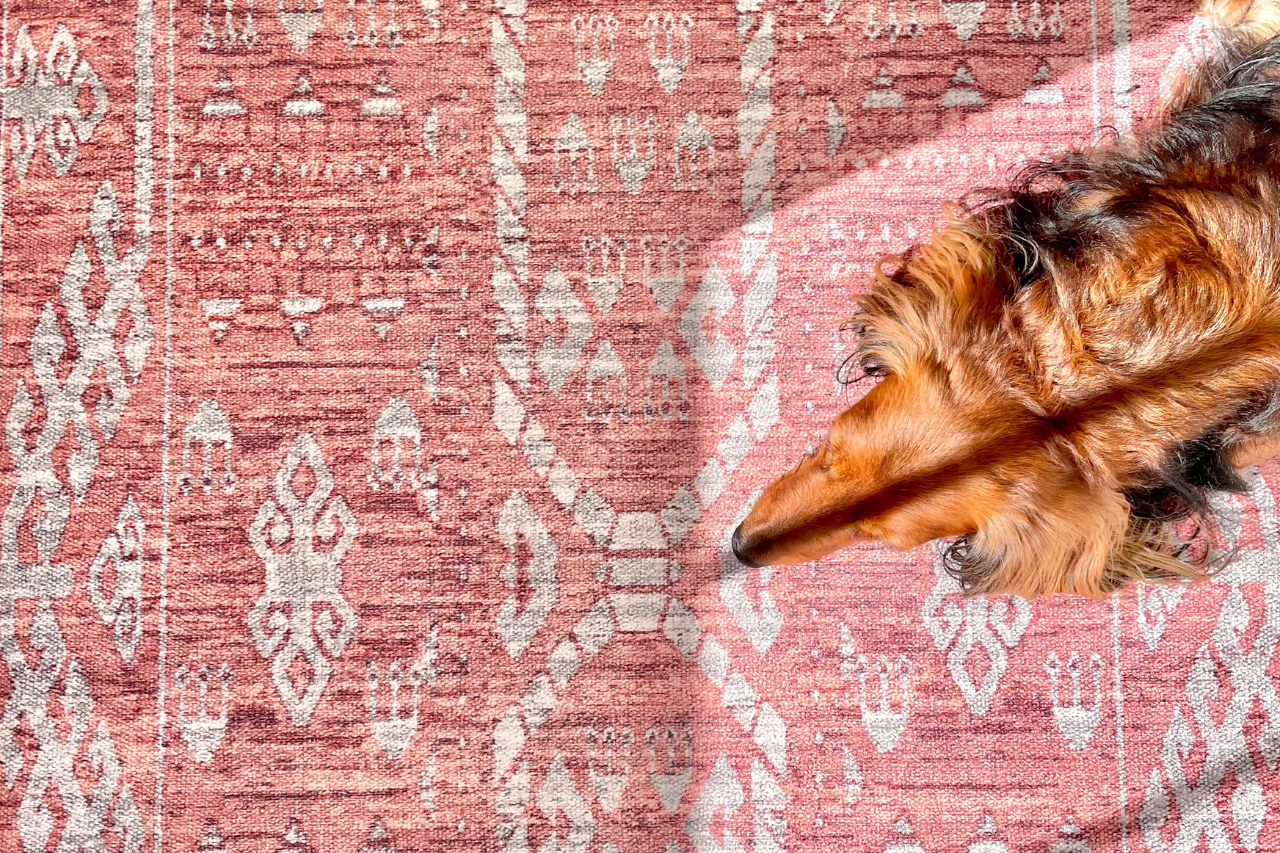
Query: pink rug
x,y
381,382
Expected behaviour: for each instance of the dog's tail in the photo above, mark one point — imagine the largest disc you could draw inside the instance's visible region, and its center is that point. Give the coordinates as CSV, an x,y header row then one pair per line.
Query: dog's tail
x,y
1250,21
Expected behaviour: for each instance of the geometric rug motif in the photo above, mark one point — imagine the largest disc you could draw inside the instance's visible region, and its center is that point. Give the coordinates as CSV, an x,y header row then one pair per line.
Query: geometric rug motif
x,y
382,379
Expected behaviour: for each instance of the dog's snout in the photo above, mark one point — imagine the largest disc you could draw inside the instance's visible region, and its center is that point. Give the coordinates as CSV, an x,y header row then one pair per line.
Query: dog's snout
x,y
738,549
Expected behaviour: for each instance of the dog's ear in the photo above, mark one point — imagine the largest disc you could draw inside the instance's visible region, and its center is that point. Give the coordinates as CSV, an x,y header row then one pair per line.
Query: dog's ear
x,y
1064,540
938,298
1084,541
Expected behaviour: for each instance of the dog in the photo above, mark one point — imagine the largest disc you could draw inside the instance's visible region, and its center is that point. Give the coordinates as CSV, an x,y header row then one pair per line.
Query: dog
x,y
1072,366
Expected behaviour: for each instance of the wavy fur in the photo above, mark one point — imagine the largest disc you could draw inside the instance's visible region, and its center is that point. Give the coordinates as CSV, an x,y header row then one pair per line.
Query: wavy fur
x,y
1072,365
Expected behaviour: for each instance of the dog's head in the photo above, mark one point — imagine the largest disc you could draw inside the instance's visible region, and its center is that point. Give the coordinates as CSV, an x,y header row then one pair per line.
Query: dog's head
x,y
1000,420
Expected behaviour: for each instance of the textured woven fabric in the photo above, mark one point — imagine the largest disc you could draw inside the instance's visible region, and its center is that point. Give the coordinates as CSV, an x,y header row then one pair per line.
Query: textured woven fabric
x,y
381,381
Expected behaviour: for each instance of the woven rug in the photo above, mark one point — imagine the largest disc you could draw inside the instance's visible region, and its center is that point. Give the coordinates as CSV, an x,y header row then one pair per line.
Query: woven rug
x,y
381,379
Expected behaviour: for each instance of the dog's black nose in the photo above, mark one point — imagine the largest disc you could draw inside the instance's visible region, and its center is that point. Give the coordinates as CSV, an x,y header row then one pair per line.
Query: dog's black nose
x,y
736,544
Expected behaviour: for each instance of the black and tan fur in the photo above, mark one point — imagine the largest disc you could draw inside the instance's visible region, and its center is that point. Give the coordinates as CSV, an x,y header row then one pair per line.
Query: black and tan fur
x,y
1072,365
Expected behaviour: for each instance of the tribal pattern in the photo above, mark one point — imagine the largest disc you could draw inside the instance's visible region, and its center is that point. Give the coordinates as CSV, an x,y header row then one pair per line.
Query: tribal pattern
x,y
382,380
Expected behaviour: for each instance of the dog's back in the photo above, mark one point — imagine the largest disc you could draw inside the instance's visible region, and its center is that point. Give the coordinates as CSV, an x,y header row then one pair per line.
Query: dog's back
x,y
1152,288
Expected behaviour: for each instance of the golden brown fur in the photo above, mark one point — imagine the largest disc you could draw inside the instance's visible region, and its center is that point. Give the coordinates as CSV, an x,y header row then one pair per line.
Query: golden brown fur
x,y
1070,366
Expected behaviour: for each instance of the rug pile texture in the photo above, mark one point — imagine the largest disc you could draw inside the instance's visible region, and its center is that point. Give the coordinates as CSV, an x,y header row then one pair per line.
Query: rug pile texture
x,y
382,378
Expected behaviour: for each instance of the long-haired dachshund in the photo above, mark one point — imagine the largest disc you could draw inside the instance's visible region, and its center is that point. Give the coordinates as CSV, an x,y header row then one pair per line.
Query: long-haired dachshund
x,y
1072,366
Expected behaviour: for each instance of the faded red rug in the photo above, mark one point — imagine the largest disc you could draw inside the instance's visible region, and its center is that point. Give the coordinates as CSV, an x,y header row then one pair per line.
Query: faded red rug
x,y
381,379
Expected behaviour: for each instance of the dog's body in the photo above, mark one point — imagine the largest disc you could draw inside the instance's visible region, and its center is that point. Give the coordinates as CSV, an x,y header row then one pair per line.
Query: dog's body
x,y
1074,364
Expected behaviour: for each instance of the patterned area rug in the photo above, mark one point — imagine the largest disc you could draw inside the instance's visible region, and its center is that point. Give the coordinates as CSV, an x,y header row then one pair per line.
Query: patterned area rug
x,y
382,379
